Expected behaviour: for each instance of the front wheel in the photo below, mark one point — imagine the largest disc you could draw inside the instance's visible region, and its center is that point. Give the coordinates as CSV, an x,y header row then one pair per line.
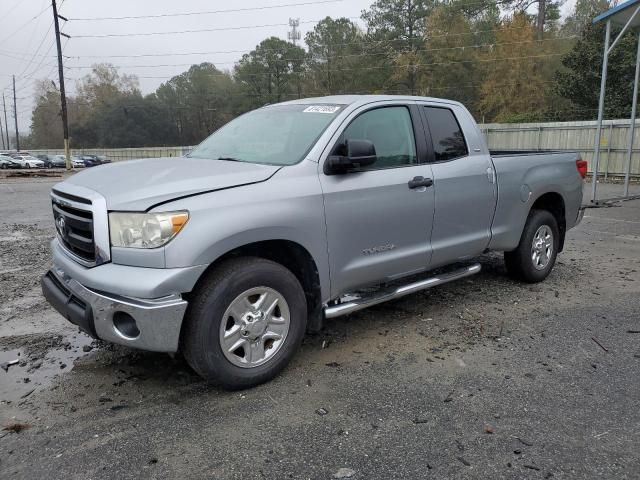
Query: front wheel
x,y
245,323
535,256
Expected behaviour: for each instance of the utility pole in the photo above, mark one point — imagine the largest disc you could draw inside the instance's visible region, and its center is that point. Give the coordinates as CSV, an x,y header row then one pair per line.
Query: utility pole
x,y
6,124
63,98
4,147
15,114
294,34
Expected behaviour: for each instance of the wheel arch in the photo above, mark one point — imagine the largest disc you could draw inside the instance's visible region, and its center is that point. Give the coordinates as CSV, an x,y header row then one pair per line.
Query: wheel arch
x,y
554,203
291,255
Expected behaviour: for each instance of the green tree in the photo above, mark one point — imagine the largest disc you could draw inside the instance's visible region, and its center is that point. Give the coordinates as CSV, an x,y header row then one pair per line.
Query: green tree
x,y
132,120
450,57
579,82
513,80
272,72
197,102
582,15
396,29
335,56
46,122
97,91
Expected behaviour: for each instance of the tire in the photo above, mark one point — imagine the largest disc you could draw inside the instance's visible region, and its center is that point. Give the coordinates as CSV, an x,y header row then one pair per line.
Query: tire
x,y
532,262
27,165
215,302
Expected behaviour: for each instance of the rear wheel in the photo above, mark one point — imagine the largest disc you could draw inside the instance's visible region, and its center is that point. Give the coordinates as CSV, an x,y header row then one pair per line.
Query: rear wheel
x,y
245,323
536,254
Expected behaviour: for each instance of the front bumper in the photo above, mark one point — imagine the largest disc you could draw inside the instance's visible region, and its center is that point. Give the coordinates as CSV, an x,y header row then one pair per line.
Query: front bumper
x,y
156,322
96,298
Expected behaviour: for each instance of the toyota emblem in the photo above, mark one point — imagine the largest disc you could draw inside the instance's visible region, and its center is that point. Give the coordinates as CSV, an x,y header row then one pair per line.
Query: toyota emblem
x,y
60,225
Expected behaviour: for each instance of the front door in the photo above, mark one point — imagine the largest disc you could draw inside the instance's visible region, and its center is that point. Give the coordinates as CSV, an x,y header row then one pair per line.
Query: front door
x,y
378,222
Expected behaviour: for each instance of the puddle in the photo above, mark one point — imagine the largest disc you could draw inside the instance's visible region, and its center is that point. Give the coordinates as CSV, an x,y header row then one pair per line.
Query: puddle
x,y
40,359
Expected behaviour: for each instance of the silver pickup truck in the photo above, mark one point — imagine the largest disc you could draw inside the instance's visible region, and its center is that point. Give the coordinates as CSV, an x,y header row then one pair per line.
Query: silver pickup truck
x,y
294,213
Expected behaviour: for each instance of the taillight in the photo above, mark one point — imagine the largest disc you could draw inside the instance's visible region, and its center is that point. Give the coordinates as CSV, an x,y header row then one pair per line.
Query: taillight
x,y
581,165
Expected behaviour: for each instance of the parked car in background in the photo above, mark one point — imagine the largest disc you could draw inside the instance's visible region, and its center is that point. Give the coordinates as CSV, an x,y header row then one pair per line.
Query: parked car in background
x,y
90,160
28,161
103,159
8,162
77,162
55,161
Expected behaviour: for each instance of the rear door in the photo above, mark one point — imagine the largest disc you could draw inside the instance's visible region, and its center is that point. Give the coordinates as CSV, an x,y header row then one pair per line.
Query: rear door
x,y
378,224
464,184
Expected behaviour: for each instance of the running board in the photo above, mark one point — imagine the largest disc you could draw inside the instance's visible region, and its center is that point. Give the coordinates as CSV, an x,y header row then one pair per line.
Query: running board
x,y
360,303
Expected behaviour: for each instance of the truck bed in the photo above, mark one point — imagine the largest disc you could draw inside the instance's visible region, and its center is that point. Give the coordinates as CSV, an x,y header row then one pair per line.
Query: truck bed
x,y
523,176
514,153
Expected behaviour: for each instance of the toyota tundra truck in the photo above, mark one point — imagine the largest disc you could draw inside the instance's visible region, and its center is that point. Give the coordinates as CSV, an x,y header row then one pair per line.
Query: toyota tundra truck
x,y
294,213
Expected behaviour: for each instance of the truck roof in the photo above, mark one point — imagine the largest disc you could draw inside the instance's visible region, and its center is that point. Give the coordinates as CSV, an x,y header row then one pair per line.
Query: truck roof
x,y
363,99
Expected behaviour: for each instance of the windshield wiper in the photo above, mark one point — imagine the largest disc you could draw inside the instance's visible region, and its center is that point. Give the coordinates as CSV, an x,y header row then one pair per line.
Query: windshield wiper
x,y
230,159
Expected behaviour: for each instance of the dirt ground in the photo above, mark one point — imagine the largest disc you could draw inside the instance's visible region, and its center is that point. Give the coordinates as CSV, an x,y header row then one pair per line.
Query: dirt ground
x,y
484,378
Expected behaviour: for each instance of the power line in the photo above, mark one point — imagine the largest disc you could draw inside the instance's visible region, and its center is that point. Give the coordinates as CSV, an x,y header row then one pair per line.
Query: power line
x,y
41,64
25,23
209,12
361,41
23,57
180,32
8,12
20,27
333,57
37,50
377,67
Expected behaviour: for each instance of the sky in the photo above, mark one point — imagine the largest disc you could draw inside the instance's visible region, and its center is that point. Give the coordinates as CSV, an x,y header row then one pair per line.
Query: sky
x,y
27,40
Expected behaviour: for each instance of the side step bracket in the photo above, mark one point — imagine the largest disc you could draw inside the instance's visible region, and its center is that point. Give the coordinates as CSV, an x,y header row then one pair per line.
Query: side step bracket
x,y
354,305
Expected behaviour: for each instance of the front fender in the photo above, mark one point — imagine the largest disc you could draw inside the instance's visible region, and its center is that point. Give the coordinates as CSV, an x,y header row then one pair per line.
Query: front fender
x,y
282,208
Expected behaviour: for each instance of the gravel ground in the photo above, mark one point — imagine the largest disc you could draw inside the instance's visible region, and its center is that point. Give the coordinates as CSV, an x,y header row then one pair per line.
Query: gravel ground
x,y
484,378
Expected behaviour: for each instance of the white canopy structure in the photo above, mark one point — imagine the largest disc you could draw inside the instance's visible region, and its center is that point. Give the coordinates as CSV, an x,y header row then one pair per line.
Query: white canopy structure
x,y
627,15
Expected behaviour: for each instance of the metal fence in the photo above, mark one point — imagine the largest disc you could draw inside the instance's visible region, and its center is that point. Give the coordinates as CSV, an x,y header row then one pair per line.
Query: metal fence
x,y
570,136
119,154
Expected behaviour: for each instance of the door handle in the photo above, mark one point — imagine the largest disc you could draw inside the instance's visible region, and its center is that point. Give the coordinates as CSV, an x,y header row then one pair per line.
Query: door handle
x,y
418,182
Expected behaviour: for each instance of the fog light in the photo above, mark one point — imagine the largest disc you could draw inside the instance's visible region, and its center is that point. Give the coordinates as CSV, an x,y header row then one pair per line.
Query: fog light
x,y
125,325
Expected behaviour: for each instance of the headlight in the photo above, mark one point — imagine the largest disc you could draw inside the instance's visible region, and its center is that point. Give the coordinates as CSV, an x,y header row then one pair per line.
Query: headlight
x,y
145,230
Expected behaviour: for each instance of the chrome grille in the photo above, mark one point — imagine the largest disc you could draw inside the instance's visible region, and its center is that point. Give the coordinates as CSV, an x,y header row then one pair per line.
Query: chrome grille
x,y
75,229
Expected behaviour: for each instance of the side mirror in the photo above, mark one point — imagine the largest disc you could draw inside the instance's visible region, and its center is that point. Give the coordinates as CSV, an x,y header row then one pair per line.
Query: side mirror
x,y
358,154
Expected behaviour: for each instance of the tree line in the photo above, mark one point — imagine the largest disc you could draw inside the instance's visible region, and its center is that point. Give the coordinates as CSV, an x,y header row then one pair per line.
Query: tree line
x,y
503,62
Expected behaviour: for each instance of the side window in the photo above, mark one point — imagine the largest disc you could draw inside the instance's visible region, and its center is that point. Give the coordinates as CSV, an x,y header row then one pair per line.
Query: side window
x,y
390,129
446,134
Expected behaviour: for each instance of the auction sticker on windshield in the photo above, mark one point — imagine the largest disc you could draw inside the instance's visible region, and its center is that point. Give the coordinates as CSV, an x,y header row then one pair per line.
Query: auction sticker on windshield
x,y
321,109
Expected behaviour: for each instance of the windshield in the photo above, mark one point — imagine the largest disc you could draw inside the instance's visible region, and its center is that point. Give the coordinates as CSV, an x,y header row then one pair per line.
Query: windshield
x,y
275,135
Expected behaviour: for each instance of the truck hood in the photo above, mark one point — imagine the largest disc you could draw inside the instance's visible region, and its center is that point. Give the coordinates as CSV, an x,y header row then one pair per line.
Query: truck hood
x,y
138,185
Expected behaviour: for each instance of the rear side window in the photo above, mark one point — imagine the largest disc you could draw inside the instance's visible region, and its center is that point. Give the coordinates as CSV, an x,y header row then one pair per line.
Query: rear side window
x,y
446,134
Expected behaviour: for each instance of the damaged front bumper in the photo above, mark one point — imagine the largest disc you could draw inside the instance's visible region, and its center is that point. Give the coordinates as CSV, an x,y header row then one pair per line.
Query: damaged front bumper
x,y
142,313
140,323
